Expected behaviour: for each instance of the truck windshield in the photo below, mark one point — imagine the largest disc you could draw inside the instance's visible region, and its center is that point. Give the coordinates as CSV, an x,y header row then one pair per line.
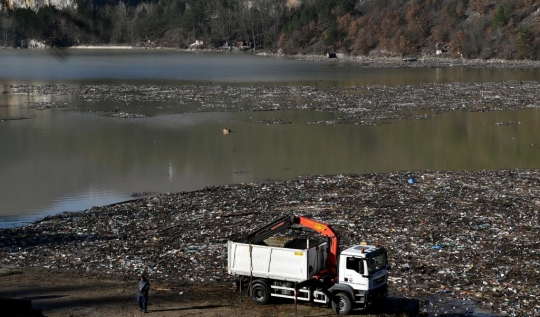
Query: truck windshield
x,y
376,263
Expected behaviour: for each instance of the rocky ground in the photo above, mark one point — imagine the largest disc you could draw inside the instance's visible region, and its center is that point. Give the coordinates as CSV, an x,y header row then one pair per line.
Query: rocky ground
x,y
469,236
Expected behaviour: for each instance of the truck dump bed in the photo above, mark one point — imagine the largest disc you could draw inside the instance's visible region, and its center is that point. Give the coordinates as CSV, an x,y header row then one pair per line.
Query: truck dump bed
x,y
293,260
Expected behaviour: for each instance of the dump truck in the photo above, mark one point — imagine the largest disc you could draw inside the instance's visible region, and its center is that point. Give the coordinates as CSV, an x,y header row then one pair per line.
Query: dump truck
x,y
304,269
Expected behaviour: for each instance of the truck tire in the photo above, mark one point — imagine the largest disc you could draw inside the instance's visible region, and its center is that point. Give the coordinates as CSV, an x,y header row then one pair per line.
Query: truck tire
x,y
260,293
341,303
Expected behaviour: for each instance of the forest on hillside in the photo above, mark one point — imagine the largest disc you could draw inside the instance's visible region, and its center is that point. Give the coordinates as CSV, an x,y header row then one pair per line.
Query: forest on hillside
x,y
507,29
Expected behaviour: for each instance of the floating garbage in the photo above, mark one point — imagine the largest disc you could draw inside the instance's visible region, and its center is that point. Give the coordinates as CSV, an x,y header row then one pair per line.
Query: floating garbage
x,y
360,105
128,115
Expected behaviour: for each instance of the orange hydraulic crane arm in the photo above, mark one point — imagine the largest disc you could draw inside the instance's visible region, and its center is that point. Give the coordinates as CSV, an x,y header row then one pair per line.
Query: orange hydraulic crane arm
x,y
326,231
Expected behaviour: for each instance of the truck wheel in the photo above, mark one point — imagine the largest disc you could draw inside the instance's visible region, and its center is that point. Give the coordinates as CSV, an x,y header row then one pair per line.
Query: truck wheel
x,y
260,293
342,304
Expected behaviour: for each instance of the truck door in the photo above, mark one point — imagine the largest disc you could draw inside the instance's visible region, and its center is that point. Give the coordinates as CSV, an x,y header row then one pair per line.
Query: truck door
x,y
353,273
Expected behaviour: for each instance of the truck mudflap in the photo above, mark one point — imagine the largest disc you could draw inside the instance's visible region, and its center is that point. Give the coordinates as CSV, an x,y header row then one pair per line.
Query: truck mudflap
x,y
343,288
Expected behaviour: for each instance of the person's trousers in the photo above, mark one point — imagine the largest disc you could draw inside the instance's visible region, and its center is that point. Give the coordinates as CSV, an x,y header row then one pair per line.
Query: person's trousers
x,y
142,300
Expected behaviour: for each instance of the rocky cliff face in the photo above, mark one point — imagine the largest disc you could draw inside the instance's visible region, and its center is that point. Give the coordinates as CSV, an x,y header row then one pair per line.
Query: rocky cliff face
x,y
37,4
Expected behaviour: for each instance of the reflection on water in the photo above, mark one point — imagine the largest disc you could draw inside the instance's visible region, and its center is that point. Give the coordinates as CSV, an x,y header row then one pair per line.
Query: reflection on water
x,y
66,160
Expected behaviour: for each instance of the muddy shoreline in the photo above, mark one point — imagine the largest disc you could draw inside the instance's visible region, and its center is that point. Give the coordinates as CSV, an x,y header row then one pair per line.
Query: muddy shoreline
x,y
432,61
418,62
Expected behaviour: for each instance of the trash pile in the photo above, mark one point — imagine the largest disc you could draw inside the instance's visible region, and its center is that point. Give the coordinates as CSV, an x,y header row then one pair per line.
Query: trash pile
x,y
13,119
128,115
470,236
44,105
362,105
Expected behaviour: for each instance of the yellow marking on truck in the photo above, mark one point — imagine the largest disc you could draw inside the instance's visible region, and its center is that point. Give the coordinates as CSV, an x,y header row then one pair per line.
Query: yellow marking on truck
x,y
299,253
319,227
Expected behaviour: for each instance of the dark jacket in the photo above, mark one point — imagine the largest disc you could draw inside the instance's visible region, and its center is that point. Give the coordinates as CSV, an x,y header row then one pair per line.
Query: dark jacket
x,y
143,288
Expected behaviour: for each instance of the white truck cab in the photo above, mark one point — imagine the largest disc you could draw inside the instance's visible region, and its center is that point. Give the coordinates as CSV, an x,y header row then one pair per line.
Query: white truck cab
x,y
364,268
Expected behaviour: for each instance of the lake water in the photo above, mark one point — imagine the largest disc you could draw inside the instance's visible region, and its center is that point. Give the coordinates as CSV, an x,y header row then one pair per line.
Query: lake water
x,y
68,160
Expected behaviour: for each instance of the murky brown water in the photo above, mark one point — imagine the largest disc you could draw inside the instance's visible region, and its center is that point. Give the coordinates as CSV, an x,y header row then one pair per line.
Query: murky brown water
x,y
66,159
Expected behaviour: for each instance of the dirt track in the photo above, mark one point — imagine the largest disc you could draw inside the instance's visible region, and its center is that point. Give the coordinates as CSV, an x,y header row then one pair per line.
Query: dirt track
x,y
63,294
74,294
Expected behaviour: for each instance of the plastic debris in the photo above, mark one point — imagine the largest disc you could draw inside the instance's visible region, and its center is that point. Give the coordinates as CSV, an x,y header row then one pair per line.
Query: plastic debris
x,y
457,236
361,105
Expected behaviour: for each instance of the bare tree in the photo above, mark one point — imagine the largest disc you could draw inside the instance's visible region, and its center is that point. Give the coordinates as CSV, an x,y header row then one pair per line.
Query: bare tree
x,y
7,26
120,20
222,23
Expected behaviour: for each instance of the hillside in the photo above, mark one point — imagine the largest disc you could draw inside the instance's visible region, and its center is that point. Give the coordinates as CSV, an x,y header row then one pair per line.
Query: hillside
x,y
507,29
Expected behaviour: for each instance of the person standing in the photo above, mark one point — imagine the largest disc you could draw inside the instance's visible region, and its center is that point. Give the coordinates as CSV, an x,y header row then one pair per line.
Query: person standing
x,y
142,295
